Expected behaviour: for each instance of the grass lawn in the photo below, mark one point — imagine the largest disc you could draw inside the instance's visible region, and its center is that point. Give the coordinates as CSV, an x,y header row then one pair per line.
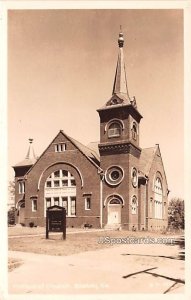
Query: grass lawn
x,y
74,243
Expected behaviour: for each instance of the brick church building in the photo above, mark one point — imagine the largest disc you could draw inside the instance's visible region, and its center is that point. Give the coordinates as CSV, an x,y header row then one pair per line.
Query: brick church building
x,y
110,184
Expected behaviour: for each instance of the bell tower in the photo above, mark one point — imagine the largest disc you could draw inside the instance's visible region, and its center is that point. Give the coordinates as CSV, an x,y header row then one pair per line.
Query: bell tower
x,y
119,141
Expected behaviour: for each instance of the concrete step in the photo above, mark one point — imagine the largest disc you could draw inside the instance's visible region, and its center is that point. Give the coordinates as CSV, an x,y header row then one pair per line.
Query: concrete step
x,y
113,226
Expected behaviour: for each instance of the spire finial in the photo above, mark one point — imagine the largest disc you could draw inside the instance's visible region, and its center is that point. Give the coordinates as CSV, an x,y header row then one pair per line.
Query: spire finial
x,y
30,152
120,39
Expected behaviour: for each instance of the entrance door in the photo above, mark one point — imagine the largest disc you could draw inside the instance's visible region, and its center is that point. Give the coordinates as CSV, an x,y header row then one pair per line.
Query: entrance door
x,y
114,213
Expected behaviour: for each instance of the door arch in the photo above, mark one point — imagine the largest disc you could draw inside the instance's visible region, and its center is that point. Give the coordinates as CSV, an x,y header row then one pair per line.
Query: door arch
x,y
114,210
20,206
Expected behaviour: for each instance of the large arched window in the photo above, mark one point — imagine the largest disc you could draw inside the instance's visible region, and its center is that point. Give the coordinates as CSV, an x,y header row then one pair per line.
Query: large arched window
x,y
158,198
60,189
114,129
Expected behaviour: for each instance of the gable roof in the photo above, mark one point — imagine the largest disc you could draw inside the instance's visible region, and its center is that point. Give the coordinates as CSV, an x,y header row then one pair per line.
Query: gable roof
x,y
94,148
90,154
146,159
86,150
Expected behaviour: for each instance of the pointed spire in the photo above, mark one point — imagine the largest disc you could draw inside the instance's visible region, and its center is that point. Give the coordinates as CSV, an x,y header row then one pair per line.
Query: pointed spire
x,y
120,81
30,153
30,158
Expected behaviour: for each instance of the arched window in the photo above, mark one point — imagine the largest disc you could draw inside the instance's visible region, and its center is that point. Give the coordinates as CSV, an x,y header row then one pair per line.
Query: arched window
x,y
134,176
158,198
134,205
134,131
114,129
21,187
60,189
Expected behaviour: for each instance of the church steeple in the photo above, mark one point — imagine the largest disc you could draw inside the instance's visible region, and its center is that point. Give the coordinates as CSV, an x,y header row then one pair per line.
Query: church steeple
x,y
120,82
120,94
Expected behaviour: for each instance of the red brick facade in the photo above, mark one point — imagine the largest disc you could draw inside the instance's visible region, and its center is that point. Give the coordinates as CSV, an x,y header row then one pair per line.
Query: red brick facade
x,y
119,185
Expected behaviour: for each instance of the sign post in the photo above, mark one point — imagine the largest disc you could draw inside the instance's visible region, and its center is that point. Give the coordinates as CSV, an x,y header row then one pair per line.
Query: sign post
x,y
56,220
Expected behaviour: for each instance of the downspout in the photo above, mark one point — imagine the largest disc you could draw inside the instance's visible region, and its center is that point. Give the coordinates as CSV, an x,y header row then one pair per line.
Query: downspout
x,y
146,204
101,198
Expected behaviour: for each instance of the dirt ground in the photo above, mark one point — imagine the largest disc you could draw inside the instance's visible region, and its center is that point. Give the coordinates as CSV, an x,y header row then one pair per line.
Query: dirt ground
x,y
95,262
115,269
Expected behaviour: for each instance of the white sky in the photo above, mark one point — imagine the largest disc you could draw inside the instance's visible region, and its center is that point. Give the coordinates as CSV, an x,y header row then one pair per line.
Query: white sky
x,y
61,67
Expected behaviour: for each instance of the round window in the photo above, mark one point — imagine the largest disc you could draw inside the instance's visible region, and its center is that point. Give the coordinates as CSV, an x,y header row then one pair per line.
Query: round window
x,y
134,177
114,175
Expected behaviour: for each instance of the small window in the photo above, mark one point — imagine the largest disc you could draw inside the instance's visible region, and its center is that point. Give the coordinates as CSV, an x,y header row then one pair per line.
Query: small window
x,y
56,183
34,204
73,206
60,147
21,187
48,184
65,204
73,182
57,173
114,175
87,203
114,129
134,131
48,202
134,177
56,200
64,182
134,205
64,173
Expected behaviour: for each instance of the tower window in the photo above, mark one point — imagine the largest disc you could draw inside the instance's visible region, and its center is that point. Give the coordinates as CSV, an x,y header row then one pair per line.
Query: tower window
x,y
134,205
134,131
134,177
114,175
114,129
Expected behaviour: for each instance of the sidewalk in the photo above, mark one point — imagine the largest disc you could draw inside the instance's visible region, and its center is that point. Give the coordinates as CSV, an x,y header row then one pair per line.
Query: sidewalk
x,y
117,269
69,231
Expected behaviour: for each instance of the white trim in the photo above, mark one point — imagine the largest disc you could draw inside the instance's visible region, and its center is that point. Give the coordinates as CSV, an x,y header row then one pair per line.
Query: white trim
x,y
87,198
134,185
113,183
60,147
113,121
62,163
17,206
34,199
136,211
21,187
114,196
133,122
